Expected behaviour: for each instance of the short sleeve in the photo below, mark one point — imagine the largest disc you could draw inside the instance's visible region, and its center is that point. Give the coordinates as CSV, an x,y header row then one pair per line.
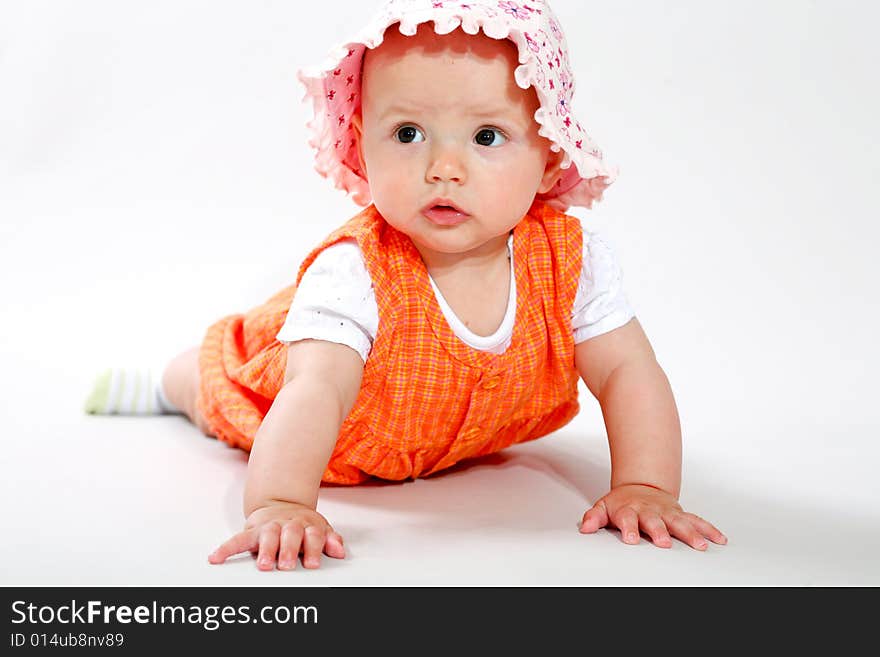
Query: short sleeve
x,y
334,301
600,304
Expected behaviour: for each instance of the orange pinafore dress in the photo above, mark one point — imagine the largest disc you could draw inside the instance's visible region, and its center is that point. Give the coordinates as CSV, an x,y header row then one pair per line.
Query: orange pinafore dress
x,y
427,400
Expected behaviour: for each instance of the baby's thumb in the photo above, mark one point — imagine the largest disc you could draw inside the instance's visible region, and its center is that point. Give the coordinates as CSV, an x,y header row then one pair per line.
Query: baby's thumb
x,y
334,546
595,518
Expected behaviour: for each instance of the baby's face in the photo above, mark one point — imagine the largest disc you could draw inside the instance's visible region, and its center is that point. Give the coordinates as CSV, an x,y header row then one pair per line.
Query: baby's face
x,y
442,117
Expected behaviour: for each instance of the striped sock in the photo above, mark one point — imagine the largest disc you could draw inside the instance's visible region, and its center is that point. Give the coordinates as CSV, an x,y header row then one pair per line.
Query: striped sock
x,y
129,391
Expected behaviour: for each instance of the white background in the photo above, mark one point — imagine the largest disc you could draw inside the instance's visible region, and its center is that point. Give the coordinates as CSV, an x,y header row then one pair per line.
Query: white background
x,y
154,176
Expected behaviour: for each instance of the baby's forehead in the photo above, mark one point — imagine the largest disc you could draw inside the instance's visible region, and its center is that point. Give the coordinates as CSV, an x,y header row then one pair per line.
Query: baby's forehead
x,y
426,64
455,47
426,39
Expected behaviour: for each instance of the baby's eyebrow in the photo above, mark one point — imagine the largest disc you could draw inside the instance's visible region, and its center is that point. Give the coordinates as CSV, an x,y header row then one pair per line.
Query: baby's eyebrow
x,y
491,112
477,112
399,109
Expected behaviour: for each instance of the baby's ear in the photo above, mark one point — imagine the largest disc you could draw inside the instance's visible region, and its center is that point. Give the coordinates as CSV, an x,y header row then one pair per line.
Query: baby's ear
x,y
357,124
552,172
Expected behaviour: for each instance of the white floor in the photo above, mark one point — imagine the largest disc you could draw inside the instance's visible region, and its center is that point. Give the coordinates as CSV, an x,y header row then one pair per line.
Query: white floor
x,y
146,191
128,501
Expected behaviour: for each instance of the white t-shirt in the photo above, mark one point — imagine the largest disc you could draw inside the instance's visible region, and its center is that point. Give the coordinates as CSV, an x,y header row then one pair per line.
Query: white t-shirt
x,y
335,301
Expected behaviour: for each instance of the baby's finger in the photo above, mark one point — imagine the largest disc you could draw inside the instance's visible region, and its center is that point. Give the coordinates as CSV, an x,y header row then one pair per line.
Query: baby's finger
x,y
334,546
313,545
627,521
707,529
683,530
241,542
595,518
291,539
653,526
269,539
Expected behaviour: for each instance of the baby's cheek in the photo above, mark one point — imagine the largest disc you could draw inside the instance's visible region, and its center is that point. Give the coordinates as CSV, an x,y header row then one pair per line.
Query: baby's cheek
x,y
392,201
394,186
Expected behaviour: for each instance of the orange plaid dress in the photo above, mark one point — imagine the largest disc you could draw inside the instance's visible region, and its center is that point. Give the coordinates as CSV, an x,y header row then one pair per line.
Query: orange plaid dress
x,y
427,399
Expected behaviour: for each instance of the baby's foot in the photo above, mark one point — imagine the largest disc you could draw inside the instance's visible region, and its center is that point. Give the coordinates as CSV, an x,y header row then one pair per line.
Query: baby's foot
x,y
129,391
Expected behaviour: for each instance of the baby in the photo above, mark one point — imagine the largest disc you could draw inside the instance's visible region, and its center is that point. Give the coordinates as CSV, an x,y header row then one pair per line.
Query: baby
x,y
452,317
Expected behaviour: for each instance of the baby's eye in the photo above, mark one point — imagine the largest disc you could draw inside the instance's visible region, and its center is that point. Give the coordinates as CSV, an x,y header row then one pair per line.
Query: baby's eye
x,y
490,137
408,134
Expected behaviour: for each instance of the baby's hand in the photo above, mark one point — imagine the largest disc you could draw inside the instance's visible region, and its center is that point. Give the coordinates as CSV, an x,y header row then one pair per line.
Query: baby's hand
x,y
656,512
283,531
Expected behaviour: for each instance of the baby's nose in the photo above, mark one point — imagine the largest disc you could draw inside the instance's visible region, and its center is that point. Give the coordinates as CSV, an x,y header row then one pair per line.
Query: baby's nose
x,y
446,166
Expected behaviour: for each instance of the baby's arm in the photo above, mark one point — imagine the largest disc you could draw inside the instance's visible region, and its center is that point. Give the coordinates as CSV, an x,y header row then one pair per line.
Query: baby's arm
x,y
290,453
644,436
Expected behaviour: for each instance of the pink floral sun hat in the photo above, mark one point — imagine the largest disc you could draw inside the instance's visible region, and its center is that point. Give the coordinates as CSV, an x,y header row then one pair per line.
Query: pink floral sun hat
x,y
334,88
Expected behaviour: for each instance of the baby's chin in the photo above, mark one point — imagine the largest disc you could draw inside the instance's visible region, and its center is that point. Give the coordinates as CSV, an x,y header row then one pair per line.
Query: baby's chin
x,y
458,241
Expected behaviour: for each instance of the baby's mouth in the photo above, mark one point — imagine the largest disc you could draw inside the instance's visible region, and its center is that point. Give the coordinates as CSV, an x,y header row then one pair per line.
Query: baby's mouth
x,y
445,215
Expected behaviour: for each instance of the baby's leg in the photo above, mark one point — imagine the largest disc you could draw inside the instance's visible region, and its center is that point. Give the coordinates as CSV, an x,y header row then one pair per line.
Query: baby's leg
x,y
148,391
180,382
132,390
